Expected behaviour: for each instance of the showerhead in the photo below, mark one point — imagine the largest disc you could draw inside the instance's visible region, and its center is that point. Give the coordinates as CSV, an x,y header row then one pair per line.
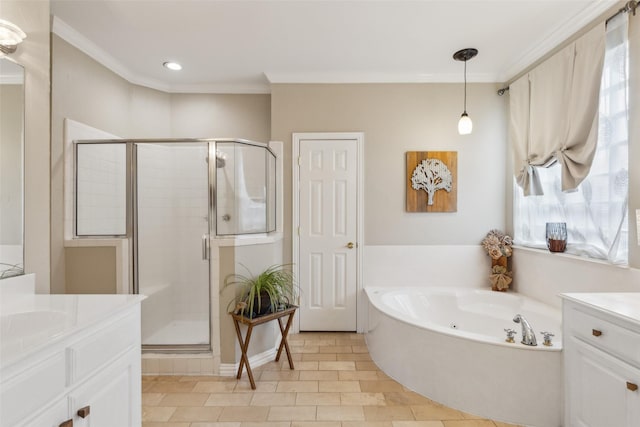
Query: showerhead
x,y
221,159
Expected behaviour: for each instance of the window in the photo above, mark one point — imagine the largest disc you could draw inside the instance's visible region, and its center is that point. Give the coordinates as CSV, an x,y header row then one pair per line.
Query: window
x,y
596,213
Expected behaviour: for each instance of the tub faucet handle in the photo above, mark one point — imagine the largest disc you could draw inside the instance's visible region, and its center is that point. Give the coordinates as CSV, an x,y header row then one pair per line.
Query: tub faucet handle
x,y
547,338
510,333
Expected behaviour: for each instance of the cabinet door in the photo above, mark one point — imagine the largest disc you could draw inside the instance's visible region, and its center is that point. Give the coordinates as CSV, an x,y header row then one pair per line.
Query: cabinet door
x,y
598,395
112,395
52,417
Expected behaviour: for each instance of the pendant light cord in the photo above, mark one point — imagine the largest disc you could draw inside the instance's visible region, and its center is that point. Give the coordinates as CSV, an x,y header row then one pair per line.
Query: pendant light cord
x,y
465,86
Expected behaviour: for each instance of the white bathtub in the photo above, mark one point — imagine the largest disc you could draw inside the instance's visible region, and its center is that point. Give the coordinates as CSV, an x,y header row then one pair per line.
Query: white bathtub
x,y
449,345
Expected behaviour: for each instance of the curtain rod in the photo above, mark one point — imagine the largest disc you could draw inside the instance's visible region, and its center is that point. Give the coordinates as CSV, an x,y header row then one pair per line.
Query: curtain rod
x,y
629,7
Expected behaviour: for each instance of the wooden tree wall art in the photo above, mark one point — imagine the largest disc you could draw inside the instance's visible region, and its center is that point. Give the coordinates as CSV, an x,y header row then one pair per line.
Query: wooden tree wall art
x,y
432,181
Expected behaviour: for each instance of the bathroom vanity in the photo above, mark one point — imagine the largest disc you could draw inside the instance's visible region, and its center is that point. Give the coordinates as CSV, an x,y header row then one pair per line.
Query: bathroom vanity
x,y
70,360
602,359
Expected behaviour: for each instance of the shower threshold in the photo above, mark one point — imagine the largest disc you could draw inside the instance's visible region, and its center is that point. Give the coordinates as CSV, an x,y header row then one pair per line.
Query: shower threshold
x,y
179,336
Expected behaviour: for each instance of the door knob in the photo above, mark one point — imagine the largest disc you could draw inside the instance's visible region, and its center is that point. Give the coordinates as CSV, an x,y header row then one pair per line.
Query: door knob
x,y
350,245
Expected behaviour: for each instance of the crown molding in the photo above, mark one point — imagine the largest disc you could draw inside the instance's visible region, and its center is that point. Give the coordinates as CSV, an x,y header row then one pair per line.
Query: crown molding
x,y
258,88
557,36
11,73
350,78
11,79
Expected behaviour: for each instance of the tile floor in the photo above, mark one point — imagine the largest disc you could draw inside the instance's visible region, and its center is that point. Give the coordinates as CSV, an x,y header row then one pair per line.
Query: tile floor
x,y
334,384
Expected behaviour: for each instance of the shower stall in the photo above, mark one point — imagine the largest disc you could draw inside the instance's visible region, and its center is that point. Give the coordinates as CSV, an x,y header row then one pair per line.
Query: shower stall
x,y
170,199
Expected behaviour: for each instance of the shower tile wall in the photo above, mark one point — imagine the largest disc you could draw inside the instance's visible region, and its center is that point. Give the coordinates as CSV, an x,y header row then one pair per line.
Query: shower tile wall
x,y
172,214
101,197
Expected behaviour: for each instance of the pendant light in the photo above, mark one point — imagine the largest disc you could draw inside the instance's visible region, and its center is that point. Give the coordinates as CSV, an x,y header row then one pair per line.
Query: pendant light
x,y
465,125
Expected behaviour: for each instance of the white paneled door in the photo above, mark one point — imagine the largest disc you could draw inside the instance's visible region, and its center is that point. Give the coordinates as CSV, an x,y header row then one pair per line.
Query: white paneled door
x,y
328,234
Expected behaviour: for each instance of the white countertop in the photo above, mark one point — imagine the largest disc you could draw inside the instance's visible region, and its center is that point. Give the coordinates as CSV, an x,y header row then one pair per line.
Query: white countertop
x,y
29,323
625,305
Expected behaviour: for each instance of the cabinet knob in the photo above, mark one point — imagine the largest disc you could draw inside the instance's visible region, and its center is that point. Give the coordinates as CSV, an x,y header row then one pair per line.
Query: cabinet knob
x,y
632,386
68,423
84,412
596,332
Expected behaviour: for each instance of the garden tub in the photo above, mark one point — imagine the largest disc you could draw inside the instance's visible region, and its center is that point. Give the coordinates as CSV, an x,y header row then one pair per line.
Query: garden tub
x,y
448,344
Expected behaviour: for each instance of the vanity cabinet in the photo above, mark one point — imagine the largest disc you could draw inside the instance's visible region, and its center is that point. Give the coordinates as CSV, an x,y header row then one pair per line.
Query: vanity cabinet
x,y
90,378
602,360
109,399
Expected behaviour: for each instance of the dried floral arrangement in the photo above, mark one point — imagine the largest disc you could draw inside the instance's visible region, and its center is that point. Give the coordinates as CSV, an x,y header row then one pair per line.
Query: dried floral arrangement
x,y
500,278
497,244
499,247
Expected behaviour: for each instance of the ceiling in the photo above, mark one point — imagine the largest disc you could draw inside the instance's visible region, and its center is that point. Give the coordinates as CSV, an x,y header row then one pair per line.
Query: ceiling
x,y
242,46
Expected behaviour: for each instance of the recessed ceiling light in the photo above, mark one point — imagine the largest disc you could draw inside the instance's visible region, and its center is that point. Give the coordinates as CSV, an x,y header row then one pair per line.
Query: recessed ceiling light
x,y
172,66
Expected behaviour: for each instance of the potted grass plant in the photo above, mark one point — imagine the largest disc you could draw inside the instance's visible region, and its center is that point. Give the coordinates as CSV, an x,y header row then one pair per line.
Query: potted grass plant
x,y
270,291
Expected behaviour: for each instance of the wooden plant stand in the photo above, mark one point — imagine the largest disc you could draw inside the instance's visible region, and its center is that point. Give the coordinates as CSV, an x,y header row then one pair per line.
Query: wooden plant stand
x,y
244,342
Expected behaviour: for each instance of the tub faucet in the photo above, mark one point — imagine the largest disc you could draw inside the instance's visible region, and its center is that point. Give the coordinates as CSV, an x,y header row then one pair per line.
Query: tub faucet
x,y
528,336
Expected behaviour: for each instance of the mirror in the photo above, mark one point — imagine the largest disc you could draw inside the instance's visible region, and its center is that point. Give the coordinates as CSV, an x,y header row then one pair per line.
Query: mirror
x,y
11,169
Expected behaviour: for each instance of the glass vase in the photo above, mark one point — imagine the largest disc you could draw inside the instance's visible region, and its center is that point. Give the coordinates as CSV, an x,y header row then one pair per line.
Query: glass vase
x,y
557,236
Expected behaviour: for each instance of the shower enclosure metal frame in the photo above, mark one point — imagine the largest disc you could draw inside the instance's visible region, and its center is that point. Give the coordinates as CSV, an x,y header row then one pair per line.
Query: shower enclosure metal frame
x,y
132,214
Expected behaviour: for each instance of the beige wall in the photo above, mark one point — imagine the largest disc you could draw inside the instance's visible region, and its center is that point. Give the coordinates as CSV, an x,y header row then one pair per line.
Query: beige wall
x,y
96,266
33,54
149,113
11,163
86,91
221,116
397,118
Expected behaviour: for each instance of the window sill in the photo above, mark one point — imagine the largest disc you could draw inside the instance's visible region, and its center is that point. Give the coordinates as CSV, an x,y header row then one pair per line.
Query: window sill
x,y
569,256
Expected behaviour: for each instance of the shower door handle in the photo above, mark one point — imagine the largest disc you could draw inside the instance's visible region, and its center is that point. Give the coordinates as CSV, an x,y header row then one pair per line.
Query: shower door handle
x,y
205,246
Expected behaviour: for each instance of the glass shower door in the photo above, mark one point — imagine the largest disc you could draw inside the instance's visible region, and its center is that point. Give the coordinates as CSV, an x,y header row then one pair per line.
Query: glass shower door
x,y
171,220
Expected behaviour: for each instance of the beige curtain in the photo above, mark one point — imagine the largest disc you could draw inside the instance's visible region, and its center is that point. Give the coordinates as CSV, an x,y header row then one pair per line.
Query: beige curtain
x,y
554,113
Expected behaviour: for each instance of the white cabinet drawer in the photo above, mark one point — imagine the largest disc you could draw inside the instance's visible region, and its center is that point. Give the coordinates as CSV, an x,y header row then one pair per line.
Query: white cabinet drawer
x,y
28,392
605,335
86,356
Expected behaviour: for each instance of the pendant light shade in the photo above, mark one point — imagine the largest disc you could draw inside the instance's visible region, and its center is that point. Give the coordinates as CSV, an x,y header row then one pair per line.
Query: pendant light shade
x,y
465,125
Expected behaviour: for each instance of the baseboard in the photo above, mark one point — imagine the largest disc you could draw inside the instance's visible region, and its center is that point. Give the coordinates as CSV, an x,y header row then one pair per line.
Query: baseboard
x,y
231,369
